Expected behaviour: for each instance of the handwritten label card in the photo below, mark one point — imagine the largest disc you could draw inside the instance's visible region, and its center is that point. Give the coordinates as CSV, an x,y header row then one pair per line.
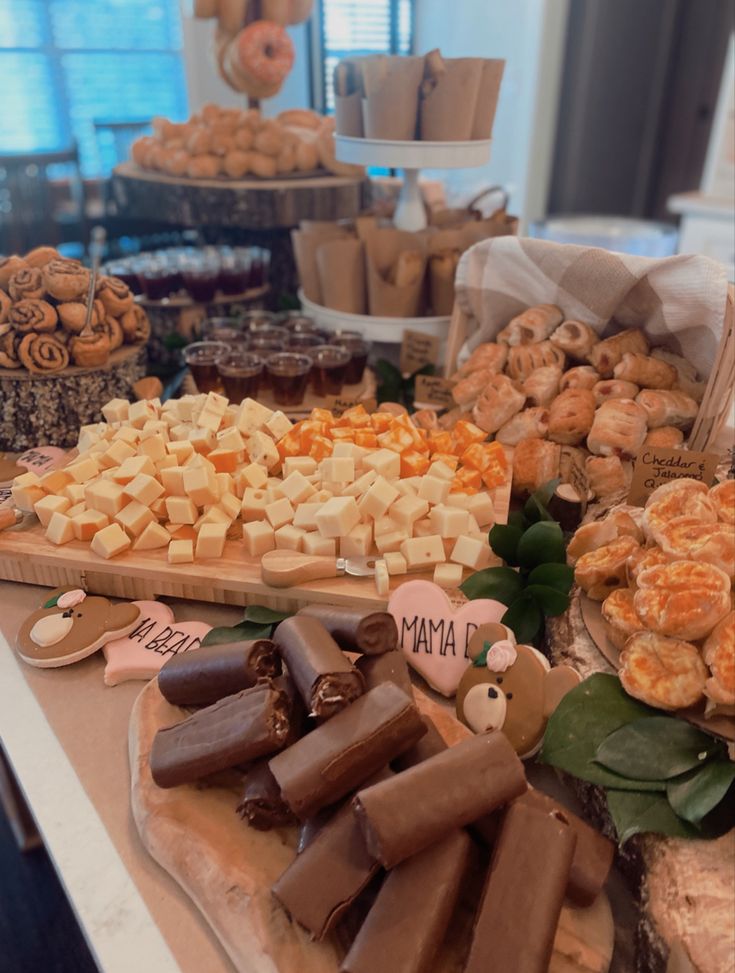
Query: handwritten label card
x,y
433,390
337,404
417,350
656,465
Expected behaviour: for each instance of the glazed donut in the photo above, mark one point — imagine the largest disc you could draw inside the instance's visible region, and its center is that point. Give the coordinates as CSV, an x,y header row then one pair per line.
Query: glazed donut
x,y
229,68
265,52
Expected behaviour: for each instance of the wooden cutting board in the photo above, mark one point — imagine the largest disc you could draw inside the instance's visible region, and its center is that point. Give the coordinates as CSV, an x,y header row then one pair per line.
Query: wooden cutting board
x,y
227,868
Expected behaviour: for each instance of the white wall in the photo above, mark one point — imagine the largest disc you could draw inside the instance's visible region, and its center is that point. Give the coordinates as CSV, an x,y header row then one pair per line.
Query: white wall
x,y
529,34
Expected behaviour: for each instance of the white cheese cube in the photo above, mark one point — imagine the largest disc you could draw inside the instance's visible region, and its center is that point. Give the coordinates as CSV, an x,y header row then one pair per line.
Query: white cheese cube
x,y
313,543
140,412
211,540
253,504
471,552
395,562
448,575
337,517
180,552
154,446
262,449
289,538
361,485
407,510
358,543
385,463
143,488
182,449
433,489
130,468
181,510
126,434
48,505
203,440
449,521
153,537
116,410
88,522
337,469
481,507
382,579
133,517
423,552
321,496
258,537
167,462
278,425
405,488
104,495
83,470
173,481
109,541
201,485
279,512
251,417
390,542
254,475
441,471
231,505
305,516
296,487
303,464
385,525
230,438
60,528
378,498
461,500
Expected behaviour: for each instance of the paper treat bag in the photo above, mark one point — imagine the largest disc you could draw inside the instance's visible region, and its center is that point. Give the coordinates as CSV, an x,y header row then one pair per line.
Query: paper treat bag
x,y
306,240
487,98
395,285
341,270
348,93
391,95
449,99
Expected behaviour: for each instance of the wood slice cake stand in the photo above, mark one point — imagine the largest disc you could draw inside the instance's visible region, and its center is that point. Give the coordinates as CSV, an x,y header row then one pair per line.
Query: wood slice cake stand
x,y
49,409
685,888
227,868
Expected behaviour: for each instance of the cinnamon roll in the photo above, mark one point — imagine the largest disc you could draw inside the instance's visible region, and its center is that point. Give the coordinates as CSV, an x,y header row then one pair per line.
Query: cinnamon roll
x,y
8,267
136,326
73,316
66,280
113,329
9,350
42,353
33,315
90,352
5,305
26,283
115,295
40,256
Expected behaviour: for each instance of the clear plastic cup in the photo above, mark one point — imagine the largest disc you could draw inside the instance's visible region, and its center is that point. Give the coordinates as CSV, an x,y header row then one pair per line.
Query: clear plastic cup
x,y
289,375
202,358
241,372
329,368
359,350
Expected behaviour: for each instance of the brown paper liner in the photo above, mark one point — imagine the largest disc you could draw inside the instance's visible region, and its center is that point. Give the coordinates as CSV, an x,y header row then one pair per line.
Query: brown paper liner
x,y
348,114
441,283
487,98
390,105
306,242
447,112
341,271
385,299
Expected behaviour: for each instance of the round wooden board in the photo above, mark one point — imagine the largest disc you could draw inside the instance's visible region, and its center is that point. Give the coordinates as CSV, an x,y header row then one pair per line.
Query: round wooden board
x,y
227,868
117,357
720,726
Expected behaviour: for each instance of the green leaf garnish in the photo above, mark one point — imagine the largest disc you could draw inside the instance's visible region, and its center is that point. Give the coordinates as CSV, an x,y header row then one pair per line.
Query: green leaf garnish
x,y
504,540
524,618
264,616
550,600
637,813
556,575
695,794
52,602
502,584
542,543
656,748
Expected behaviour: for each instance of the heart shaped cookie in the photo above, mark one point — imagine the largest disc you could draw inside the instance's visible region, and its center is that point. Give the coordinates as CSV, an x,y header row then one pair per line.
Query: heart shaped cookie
x,y
434,635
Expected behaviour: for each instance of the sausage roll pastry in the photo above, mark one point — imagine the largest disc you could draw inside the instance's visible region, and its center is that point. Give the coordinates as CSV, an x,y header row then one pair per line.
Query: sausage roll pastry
x,y
542,385
523,359
606,354
645,371
668,436
488,357
499,401
666,407
571,415
608,476
619,429
535,462
576,339
580,377
614,388
529,424
687,380
531,326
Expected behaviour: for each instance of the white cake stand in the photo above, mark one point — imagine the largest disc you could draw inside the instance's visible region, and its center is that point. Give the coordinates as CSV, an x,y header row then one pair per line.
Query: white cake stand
x,y
412,157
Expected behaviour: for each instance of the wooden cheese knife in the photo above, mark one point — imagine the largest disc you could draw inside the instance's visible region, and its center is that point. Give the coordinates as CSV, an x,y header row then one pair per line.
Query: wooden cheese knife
x,y
284,569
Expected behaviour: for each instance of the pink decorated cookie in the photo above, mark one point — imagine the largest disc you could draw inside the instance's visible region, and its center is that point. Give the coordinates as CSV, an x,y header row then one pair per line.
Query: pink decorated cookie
x,y
41,459
156,637
70,625
434,636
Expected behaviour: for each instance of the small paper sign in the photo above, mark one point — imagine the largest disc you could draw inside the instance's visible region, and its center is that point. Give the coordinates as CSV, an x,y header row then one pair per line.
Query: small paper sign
x,y
417,350
433,390
655,465
337,404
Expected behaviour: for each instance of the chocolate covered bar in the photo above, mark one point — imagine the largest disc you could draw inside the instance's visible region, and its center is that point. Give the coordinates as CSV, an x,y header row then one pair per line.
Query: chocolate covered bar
x,y
325,879
516,923
261,802
355,629
402,816
429,745
339,755
323,674
235,730
309,829
212,672
410,917
388,667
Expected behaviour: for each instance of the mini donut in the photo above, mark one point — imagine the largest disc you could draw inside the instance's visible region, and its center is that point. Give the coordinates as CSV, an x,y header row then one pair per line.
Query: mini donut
x,y
263,165
140,151
236,164
199,141
265,52
325,146
203,167
5,305
307,157
300,118
243,138
269,140
286,159
177,162
222,143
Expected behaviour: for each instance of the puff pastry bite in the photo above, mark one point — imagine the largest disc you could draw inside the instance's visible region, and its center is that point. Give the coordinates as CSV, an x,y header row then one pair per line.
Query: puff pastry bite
x,y
619,429
722,496
575,338
488,357
589,537
667,407
643,559
571,465
542,385
645,371
529,424
683,598
718,653
531,326
606,354
580,377
680,498
601,571
535,461
614,388
467,389
499,401
686,373
620,617
667,436
627,522
666,673
523,359
687,538
608,476
571,415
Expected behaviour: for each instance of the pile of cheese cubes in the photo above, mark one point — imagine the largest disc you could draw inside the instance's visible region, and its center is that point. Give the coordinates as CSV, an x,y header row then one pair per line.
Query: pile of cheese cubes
x,y
196,471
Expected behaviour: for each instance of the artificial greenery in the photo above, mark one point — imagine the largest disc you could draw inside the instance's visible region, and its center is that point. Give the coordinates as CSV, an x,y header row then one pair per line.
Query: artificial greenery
x,y
660,773
258,623
536,580
393,387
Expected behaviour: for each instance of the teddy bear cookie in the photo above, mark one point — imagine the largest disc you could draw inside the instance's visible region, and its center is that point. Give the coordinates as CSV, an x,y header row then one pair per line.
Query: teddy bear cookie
x,y
70,625
510,687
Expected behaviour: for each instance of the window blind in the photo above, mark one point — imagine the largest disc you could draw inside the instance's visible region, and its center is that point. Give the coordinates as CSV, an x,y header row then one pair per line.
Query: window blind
x,y
65,63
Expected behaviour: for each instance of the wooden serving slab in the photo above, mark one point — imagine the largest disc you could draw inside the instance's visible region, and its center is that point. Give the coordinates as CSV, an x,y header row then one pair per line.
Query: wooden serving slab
x,y
227,868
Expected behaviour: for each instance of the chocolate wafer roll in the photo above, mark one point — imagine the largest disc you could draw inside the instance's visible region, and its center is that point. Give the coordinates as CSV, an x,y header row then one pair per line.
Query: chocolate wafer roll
x,y
323,881
215,671
409,920
519,913
339,755
234,730
323,674
261,802
402,816
388,667
309,829
429,745
355,629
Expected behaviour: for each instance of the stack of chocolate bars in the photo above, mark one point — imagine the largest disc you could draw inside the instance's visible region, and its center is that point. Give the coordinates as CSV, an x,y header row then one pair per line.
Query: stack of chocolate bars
x,y
392,821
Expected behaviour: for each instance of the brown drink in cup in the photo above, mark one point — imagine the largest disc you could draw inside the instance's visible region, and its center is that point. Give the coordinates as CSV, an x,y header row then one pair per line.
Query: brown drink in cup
x,y
329,368
240,372
289,375
359,350
201,357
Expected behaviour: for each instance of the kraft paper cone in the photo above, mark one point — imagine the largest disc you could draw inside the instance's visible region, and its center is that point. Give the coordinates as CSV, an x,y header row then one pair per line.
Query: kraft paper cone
x,y
305,245
499,224
447,112
348,114
442,270
390,105
487,98
341,269
385,299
